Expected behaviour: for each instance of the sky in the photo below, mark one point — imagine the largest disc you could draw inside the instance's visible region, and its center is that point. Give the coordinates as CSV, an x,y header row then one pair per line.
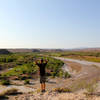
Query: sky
x,y
49,23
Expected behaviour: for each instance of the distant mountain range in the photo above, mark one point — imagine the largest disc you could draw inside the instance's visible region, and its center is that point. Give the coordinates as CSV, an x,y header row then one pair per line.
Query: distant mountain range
x,y
6,51
34,50
86,49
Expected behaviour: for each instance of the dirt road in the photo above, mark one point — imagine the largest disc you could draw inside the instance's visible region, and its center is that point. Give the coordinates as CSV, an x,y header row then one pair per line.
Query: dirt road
x,y
81,70
79,61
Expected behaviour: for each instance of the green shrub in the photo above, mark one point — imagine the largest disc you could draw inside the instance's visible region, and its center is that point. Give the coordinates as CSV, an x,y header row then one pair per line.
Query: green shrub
x,y
60,74
67,75
7,59
5,82
8,91
22,77
27,81
25,64
53,74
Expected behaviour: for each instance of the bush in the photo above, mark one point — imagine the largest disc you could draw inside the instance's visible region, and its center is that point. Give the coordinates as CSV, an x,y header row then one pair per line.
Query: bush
x,y
22,77
67,75
60,74
62,90
5,82
53,74
91,88
7,59
30,68
27,81
27,65
8,92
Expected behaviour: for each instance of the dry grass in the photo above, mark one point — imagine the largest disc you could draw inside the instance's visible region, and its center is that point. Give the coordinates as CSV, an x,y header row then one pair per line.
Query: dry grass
x,y
87,58
38,90
62,90
8,91
91,87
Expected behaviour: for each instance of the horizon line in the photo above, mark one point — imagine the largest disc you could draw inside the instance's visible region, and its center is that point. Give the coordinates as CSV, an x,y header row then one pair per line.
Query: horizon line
x,y
55,48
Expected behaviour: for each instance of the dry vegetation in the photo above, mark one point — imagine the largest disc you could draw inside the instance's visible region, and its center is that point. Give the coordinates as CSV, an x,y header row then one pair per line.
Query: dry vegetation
x,y
8,91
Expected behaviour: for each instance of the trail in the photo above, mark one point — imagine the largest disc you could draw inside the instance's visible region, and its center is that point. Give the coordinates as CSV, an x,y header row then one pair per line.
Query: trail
x,y
79,61
89,70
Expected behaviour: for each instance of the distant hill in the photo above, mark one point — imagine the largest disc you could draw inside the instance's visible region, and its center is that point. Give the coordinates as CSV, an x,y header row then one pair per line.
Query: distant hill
x,y
20,50
87,50
34,50
92,49
4,51
23,50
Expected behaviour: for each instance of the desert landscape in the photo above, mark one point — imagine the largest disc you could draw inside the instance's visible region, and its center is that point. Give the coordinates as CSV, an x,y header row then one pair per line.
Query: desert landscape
x,y
49,49
69,77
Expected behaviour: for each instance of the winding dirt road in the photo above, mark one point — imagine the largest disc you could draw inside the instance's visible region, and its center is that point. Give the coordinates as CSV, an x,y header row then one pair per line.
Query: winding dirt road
x,y
81,70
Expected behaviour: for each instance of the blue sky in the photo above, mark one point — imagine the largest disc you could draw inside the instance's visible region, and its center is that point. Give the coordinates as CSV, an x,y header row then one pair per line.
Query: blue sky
x,y
49,23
